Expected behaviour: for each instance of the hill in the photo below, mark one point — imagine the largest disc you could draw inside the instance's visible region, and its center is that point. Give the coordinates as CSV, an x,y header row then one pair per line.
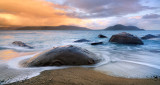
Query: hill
x,y
122,27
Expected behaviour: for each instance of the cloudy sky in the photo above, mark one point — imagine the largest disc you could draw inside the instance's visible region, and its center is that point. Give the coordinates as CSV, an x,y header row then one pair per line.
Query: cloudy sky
x,y
94,14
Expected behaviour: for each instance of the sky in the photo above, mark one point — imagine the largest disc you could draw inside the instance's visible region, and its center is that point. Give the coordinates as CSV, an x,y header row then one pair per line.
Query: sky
x,y
93,14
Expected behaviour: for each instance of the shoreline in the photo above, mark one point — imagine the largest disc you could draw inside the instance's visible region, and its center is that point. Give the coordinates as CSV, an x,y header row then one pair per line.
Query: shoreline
x,y
82,76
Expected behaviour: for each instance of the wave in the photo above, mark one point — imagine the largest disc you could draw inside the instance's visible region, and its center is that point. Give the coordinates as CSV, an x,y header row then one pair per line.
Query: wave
x,y
155,39
16,48
2,48
142,63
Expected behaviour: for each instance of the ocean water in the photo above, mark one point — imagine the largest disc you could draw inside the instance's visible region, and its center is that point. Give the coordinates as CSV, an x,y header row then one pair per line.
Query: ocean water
x,y
130,61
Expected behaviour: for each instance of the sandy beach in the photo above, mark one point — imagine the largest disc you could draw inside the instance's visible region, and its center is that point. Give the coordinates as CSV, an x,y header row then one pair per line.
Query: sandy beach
x,y
82,76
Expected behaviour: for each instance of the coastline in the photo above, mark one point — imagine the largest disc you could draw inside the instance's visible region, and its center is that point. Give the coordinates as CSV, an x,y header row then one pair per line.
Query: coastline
x,y
82,76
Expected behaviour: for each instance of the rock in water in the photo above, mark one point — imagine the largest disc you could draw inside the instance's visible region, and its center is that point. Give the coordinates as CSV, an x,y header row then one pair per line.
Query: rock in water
x,y
149,36
102,36
97,43
125,38
65,55
21,44
82,40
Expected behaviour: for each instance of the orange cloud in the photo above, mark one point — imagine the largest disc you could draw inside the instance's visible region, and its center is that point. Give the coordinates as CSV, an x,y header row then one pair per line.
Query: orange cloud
x,y
33,13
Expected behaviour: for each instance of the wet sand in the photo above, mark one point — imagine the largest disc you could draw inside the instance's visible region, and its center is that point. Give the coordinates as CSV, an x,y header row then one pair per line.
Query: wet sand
x,y
82,76
6,55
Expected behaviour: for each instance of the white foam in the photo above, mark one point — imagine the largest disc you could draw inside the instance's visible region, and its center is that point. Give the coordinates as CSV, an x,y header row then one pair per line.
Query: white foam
x,y
128,70
14,63
17,48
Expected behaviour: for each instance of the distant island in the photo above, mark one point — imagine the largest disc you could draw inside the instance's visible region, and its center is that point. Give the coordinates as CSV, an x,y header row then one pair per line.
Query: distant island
x,y
122,27
62,27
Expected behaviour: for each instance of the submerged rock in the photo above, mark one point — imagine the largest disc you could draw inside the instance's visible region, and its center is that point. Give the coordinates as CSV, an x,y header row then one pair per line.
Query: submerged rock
x,y
65,55
149,36
97,43
21,44
125,38
102,36
82,40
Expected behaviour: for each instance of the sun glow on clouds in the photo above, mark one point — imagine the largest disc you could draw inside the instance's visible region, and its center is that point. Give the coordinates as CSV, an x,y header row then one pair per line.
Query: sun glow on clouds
x,y
32,13
86,13
135,17
42,13
96,23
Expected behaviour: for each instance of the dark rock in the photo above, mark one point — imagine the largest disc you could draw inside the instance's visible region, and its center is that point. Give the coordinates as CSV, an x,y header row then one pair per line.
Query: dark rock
x,y
21,44
65,55
102,36
125,38
97,43
149,36
82,40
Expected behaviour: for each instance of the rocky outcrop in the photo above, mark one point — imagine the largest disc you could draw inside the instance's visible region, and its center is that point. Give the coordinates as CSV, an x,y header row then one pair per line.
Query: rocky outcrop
x,y
82,40
21,44
64,55
125,38
97,43
149,36
102,36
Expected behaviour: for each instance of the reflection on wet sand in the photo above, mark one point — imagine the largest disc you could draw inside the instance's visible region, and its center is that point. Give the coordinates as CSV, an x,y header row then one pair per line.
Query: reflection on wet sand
x,y
8,37
10,54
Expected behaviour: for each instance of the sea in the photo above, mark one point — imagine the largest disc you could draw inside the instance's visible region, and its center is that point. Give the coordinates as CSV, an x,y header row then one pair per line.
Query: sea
x,y
128,61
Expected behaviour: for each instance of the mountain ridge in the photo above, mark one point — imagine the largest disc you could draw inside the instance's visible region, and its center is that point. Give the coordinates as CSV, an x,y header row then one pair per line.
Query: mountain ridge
x,y
61,27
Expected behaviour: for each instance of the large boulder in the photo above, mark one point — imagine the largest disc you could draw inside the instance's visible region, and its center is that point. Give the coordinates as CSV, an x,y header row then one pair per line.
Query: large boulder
x,y
64,55
21,44
149,36
82,40
102,36
125,38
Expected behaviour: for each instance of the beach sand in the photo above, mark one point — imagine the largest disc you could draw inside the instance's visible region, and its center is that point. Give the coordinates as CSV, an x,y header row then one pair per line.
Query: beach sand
x,y
82,76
